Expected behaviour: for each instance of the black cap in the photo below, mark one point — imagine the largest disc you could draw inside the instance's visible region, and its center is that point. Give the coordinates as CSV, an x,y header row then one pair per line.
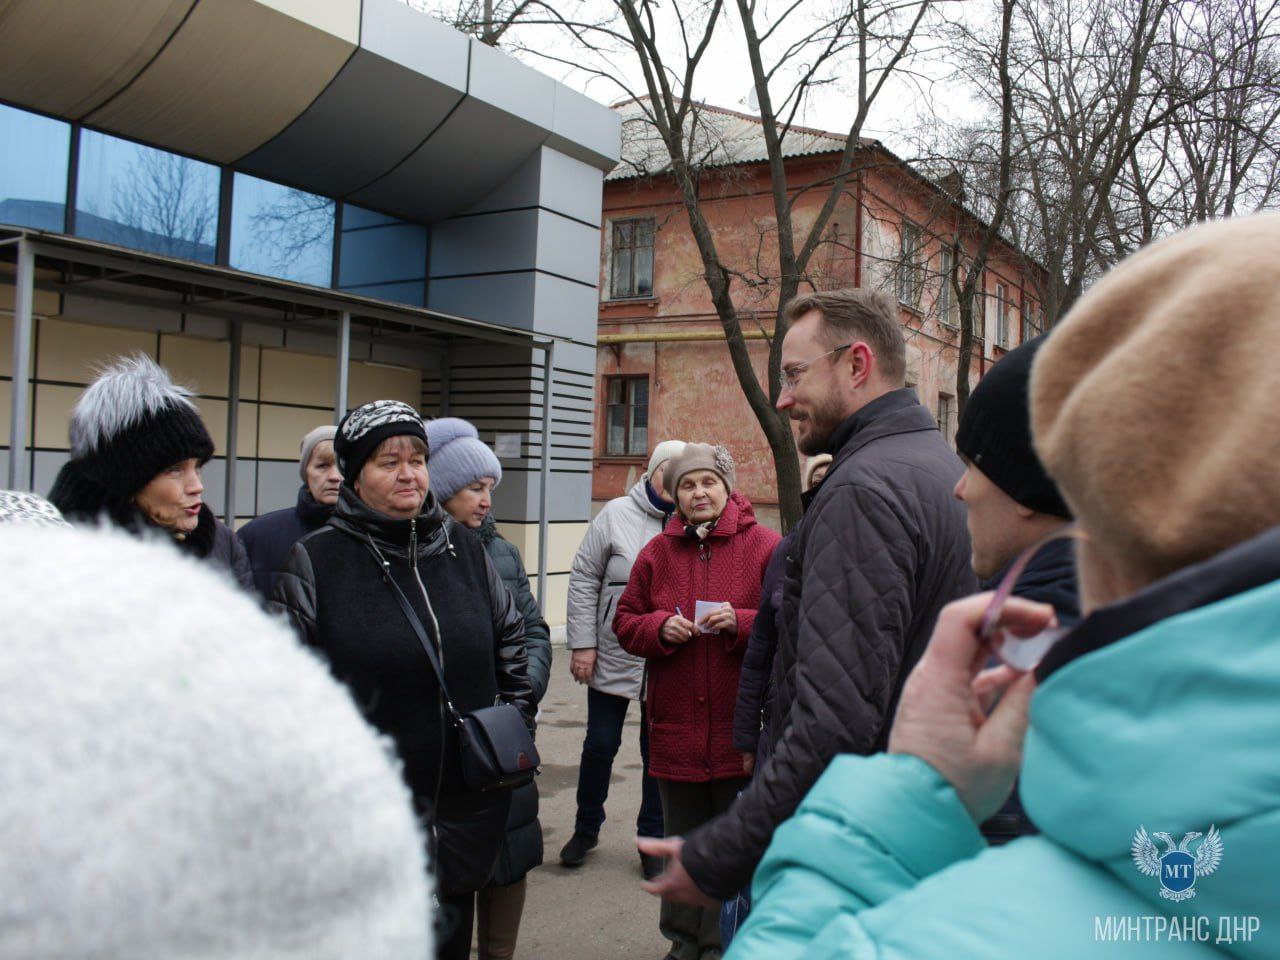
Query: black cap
x,y
995,433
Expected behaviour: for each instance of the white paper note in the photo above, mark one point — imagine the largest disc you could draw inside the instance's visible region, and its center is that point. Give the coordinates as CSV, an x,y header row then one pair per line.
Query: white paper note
x,y
701,609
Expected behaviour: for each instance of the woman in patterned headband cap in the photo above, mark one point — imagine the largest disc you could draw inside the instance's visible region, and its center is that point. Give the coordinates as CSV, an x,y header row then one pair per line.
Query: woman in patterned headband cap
x,y
388,524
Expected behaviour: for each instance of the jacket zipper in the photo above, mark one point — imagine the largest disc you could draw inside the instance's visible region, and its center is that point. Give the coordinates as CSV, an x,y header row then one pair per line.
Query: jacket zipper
x,y
704,556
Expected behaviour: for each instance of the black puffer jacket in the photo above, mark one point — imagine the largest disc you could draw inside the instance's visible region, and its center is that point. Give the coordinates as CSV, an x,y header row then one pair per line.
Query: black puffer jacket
x,y
270,537
880,551
333,589
522,849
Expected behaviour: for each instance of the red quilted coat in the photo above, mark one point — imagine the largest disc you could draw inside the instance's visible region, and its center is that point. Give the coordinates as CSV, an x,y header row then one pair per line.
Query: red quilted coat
x,y
692,687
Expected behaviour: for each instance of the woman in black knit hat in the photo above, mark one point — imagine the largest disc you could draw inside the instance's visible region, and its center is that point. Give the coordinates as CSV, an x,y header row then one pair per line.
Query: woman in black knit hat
x,y
342,585
137,447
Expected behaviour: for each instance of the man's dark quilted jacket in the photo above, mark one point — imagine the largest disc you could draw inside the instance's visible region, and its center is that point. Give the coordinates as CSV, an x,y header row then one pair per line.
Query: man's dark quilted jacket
x,y
881,550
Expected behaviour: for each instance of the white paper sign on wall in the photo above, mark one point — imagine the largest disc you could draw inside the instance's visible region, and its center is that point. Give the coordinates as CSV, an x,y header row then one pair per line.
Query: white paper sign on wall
x,y
507,446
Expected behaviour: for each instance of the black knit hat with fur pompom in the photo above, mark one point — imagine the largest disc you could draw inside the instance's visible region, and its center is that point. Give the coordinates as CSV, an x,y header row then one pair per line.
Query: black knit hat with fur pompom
x,y
130,424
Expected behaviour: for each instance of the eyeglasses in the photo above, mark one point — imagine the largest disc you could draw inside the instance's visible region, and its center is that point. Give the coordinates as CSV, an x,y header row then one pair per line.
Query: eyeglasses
x,y
787,379
1022,653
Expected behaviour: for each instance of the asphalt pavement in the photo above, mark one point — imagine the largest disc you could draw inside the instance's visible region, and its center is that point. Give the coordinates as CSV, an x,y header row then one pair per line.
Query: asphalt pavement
x,y
596,911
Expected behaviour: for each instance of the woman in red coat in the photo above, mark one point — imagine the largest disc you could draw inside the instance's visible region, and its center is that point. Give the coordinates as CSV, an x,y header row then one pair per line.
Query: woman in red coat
x,y
705,566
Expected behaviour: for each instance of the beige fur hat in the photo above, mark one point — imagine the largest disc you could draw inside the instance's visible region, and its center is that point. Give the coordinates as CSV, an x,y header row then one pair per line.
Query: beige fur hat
x,y
1153,402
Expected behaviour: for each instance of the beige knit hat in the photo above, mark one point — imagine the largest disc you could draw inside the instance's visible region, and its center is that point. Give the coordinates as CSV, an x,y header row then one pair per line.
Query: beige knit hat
x,y
1153,402
700,456
813,465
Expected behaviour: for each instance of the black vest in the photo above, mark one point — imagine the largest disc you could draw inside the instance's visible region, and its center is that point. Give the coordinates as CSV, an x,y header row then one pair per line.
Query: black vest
x,y
373,649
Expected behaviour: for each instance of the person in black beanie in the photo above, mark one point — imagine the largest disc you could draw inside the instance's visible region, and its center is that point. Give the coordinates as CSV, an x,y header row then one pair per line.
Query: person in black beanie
x,y
336,588
137,447
1012,504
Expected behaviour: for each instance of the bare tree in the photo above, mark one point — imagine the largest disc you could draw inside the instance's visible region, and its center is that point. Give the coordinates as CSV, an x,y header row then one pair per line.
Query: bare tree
x,y
793,50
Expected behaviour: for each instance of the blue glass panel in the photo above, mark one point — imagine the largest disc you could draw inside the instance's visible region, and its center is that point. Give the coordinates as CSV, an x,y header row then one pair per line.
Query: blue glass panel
x,y
413,294
281,232
33,169
145,198
382,257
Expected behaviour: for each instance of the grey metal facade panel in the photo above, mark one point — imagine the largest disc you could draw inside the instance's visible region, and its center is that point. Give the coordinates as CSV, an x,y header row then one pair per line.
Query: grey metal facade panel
x,y
384,113
475,149
584,129
490,243
566,308
571,187
277,485
45,466
512,87
214,477
568,248
393,30
504,298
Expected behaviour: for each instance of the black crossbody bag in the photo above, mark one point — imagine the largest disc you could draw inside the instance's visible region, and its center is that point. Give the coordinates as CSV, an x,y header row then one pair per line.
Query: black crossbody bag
x,y
497,748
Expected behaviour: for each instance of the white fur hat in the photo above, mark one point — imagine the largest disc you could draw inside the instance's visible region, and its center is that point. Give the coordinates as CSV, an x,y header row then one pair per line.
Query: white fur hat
x,y
179,778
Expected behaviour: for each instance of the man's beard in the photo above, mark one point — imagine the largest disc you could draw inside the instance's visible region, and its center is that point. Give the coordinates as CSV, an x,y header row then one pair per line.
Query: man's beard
x,y
823,421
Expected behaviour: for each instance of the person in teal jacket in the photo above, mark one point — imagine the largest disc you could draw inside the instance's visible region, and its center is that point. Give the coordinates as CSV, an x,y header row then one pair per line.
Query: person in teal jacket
x,y
1145,739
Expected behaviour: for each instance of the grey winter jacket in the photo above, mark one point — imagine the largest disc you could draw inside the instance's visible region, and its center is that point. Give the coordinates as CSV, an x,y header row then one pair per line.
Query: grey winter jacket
x,y
601,569
882,548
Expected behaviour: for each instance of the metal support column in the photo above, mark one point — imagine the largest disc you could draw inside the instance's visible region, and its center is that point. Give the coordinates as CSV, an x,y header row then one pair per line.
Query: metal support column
x,y
233,427
344,364
23,293
549,358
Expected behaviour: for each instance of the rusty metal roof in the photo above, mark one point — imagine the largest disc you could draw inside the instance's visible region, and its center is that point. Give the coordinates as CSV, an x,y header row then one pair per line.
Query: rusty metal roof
x,y
720,138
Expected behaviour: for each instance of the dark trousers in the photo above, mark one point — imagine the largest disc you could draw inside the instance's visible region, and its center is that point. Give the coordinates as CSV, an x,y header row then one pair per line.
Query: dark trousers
x,y
694,932
455,916
605,716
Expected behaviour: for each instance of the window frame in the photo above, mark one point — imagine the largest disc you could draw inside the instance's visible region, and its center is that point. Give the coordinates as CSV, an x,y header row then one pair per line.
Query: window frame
x,y
628,380
947,304
631,250
1002,315
909,276
945,416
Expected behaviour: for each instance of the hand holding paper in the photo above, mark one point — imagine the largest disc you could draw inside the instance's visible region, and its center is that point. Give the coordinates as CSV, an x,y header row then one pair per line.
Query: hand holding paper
x,y
712,617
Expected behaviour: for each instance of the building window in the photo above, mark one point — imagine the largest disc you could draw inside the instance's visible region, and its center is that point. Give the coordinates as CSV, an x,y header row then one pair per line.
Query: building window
x,y
281,232
627,424
947,304
1030,329
33,170
631,259
947,417
911,265
147,199
1002,316
382,257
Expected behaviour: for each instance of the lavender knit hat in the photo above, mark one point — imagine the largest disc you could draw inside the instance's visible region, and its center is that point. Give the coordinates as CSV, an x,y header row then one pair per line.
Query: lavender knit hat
x,y
458,457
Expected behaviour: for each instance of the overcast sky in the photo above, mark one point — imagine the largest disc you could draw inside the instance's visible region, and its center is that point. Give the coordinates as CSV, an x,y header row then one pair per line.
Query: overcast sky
x,y
724,77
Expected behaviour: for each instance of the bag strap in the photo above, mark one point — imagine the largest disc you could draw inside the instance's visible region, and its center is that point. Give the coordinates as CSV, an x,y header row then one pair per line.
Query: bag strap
x,y
416,623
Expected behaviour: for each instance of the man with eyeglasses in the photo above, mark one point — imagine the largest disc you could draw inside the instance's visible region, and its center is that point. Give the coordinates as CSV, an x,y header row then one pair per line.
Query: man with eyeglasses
x,y
1014,507
881,549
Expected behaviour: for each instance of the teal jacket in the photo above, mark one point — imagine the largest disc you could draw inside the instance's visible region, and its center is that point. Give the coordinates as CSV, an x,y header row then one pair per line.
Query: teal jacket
x,y
1164,713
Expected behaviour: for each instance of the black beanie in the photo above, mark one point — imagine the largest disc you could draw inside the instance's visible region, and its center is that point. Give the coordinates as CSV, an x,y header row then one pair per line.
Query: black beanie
x,y
995,433
130,424
366,426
